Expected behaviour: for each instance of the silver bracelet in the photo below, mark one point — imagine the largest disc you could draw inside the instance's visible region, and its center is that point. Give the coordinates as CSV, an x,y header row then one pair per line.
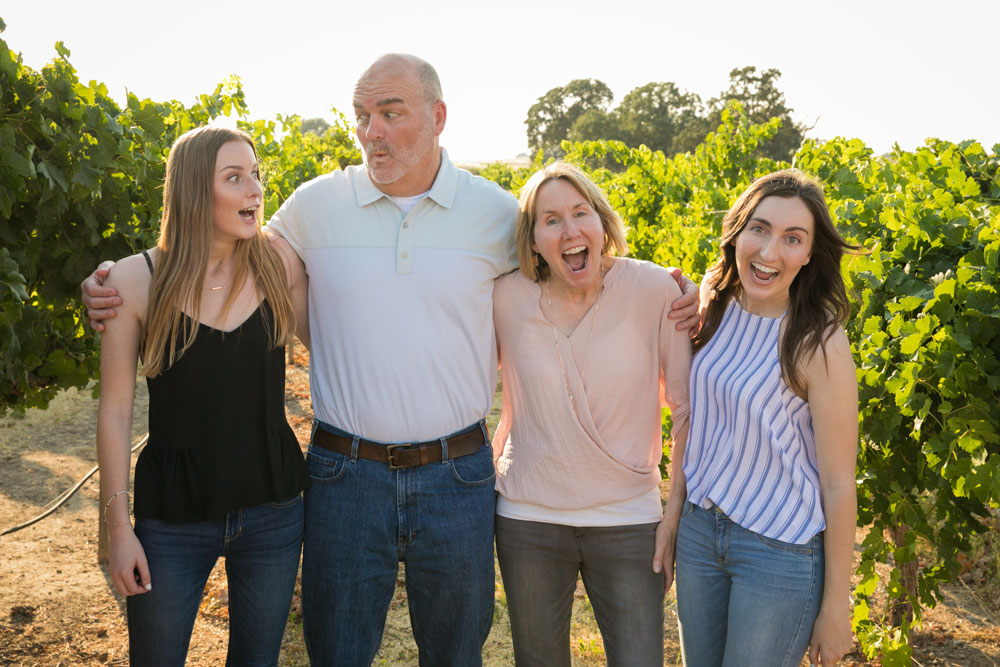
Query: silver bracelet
x,y
108,504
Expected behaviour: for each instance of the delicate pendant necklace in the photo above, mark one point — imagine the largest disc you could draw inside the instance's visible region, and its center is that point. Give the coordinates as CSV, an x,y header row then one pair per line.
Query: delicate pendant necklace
x,y
216,289
590,336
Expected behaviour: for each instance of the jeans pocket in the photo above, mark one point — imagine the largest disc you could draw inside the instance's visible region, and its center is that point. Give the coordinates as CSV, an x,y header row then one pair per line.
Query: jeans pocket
x,y
326,467
288,502
475,469
788,547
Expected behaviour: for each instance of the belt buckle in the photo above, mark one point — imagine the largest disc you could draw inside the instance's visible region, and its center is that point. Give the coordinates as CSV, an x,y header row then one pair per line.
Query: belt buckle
x,y
390,460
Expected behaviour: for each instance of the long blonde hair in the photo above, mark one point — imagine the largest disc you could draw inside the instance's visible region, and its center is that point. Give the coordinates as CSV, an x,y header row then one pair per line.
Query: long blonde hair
x,y
186,233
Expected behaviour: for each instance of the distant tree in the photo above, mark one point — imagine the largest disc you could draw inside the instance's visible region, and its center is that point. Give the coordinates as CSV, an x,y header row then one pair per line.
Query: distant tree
x,y
691,134
595,124
758,93
655,114
317,126
552,116
659,115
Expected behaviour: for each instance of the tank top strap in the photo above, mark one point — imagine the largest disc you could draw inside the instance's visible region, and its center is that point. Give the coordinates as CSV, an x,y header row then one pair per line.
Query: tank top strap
x,y
149,262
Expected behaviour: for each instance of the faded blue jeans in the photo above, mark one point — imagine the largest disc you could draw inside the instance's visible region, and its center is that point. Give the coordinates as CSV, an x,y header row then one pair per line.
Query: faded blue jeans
x,y
742,598
261,546
362,520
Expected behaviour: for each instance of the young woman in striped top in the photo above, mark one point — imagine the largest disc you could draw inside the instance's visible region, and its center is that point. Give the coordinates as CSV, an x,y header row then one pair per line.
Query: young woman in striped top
x,y
766,536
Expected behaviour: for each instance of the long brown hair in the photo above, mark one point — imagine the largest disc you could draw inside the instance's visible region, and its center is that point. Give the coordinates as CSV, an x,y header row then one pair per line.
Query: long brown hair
x,y
817,296
186,233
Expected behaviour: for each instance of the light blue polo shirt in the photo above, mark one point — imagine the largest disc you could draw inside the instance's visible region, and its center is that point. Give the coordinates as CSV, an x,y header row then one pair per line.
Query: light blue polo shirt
x,y
400,305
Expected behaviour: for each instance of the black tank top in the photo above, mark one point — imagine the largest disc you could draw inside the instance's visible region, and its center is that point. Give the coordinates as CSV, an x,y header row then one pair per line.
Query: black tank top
x,y
218,437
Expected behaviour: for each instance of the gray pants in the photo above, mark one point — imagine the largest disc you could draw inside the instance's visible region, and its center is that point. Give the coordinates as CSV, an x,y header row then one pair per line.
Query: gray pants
x,y
540,562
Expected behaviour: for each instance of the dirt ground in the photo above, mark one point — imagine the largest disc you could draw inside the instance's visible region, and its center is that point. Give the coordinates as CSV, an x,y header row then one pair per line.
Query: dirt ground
x,y
57,607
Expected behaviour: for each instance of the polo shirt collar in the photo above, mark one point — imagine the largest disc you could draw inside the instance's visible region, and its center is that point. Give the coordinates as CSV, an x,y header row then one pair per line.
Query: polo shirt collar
x,y
443,191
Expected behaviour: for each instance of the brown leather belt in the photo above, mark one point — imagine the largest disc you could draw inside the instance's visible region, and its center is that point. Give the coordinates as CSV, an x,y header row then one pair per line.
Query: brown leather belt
x,y
403,455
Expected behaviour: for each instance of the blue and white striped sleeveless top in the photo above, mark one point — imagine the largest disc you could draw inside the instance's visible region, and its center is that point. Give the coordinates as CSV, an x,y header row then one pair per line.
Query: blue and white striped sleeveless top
x,y
750,449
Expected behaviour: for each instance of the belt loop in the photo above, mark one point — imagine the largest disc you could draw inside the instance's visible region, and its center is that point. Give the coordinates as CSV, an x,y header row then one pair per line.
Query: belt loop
x,y
354,449
315,426
444,450
486,431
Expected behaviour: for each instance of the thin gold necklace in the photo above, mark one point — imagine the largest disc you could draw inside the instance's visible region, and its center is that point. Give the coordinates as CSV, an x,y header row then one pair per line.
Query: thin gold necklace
x,y
590,336
216,289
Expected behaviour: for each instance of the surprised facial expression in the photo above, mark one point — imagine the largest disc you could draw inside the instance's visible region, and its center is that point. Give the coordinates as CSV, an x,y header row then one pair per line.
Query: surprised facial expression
x,y
237,191
771,249
397,128
568,235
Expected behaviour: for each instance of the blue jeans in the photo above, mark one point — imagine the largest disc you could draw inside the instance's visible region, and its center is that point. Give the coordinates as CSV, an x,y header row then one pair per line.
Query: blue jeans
x,y
540,563
742,598
362,520
261,546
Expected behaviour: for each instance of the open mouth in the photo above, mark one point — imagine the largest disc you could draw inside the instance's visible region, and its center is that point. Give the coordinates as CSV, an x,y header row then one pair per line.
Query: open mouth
x,y
378,151
762,273
249,214
576,258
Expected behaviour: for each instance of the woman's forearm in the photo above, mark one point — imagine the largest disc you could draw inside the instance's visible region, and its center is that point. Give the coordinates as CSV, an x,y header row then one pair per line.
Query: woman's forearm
x,y
841,509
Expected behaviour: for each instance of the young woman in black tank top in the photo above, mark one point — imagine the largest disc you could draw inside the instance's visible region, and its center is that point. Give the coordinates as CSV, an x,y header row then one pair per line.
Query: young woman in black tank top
x,y
208,312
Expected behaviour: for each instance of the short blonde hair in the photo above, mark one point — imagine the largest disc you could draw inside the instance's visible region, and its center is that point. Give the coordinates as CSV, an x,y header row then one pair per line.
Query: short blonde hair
x,y
532,264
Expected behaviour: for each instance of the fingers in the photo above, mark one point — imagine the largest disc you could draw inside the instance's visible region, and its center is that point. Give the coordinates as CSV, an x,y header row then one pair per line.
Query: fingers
x,y
100,297
683,302
690,324
144,580
97,317
133,582
663,554
813,654
100,301
103,309
94,283
659,546
130,571
93,286
124,582
685,309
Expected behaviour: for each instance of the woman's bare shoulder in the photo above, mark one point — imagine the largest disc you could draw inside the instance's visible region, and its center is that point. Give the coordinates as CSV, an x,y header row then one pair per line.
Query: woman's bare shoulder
x,y
831,359
131,277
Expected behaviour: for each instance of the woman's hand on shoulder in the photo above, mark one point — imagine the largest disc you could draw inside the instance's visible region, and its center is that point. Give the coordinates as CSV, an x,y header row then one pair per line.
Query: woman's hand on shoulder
x,y
127,562
100,301
686,307
130,278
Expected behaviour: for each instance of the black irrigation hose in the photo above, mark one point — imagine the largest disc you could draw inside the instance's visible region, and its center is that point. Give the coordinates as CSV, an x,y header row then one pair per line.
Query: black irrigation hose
x,y
60,500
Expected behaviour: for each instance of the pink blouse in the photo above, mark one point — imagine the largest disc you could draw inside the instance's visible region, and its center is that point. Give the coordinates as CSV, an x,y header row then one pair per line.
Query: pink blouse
x,y
605,446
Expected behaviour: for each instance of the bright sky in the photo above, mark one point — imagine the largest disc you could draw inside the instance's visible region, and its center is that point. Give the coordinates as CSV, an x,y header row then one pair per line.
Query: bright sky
x,y
885,71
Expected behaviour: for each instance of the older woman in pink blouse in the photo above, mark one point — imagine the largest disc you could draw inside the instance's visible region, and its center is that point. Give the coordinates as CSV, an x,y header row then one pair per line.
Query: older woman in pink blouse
x,y
588,359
